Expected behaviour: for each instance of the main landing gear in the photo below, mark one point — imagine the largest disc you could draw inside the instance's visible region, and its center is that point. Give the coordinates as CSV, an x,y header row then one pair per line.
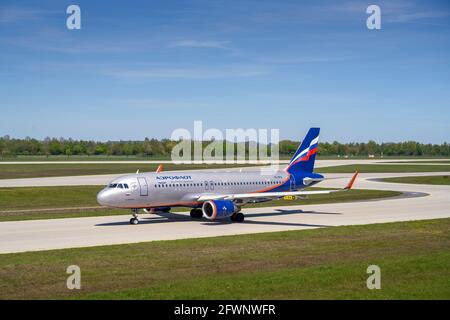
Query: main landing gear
x,y
135,219
196,213
237,217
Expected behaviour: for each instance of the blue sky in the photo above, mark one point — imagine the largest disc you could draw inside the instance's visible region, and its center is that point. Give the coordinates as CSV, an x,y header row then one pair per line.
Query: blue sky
x,y
145,68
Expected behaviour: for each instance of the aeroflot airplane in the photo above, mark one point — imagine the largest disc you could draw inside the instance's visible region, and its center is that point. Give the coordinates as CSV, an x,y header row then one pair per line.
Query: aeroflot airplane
x,y
216,195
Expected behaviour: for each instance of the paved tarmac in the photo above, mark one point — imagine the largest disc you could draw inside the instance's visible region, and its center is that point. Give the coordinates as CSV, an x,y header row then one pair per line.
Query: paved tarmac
x,y
421,202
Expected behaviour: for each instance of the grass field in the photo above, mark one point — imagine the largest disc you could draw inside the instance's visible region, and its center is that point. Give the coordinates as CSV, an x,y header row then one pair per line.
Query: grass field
x,y
12,171
438,180
379,168
84,198
328,263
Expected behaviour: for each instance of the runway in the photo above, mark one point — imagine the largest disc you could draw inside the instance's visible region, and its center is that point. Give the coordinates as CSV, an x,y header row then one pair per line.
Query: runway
x,y
107,230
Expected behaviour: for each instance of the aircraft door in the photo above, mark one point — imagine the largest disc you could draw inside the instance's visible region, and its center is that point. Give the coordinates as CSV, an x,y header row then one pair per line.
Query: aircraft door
x,y
211,185
143,186
206,185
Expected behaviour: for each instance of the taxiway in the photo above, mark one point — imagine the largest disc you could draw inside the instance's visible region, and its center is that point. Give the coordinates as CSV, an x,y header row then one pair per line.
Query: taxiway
x,y
421,202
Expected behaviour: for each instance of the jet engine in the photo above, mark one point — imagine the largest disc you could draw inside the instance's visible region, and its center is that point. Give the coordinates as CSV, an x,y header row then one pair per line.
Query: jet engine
x,y
218,209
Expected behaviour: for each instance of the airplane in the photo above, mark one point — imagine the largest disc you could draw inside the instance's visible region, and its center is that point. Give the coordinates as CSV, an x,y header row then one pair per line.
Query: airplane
x,y
220,194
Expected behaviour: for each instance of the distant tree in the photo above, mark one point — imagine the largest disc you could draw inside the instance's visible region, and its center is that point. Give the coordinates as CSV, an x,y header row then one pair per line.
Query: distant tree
x,y
55,147
153,147
2,147
372,147
148,151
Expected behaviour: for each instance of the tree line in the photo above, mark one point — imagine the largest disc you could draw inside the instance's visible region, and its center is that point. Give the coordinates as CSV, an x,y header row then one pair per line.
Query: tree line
x,y
10,147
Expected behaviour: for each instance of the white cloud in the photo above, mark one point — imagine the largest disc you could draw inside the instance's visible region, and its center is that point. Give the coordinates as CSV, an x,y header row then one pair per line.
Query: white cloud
x,y
413,16
201,44
154,104
18,14
231,71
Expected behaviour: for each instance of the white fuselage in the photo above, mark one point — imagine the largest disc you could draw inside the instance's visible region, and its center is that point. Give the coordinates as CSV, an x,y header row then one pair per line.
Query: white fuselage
x,y
182,188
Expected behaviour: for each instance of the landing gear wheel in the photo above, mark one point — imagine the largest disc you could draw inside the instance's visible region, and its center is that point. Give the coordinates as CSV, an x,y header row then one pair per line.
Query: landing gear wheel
x,y
196,214
238,217
134,220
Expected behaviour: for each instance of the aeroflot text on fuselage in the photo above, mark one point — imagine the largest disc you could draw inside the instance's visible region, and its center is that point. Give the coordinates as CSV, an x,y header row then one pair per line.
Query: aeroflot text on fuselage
x,y
174,178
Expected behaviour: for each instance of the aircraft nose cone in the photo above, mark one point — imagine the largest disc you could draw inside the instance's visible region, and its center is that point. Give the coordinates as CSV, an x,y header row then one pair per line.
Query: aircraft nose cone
x,y
101,198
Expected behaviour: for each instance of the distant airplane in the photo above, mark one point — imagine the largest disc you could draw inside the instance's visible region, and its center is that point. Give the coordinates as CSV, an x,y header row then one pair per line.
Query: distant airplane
x,y
216,195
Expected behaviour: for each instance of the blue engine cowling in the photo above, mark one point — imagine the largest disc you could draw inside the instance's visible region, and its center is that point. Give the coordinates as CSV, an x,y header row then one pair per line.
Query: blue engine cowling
x,y
218,209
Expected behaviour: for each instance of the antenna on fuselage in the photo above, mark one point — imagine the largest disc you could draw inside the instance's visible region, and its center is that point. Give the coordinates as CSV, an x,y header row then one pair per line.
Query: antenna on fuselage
x,y
137,171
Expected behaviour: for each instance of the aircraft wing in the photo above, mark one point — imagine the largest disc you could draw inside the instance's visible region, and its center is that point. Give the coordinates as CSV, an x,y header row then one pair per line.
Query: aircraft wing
x,y
273,195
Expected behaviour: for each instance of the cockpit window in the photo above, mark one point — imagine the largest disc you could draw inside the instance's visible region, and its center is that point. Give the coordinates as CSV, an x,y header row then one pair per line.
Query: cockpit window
x,y
118,185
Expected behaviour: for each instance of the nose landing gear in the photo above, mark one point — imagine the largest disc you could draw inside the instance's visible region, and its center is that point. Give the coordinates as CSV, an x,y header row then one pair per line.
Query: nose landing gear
x,y
135,219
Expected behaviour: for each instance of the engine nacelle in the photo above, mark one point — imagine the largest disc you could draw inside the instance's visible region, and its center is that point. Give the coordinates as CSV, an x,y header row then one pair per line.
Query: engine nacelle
x,y
218,209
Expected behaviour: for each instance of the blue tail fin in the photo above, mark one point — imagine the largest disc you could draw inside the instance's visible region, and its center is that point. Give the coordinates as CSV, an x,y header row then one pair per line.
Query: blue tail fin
x,y
304,157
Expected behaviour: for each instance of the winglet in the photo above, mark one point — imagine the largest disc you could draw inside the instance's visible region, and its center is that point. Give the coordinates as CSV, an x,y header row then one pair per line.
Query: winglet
x,y
350,184
160,168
